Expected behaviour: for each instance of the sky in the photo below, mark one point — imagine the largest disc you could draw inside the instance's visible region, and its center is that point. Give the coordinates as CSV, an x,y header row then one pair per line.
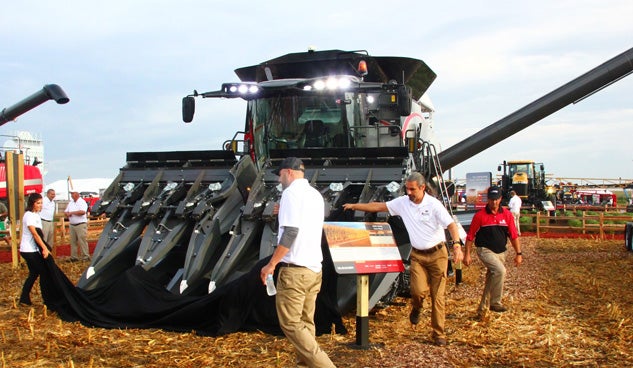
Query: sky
x,y
125,65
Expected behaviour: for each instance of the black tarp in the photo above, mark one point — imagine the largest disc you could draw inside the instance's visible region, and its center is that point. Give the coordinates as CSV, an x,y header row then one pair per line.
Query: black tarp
x,y
138,299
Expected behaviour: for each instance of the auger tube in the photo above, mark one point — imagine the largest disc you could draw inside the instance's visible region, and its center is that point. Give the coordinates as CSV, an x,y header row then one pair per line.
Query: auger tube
x,y
579,88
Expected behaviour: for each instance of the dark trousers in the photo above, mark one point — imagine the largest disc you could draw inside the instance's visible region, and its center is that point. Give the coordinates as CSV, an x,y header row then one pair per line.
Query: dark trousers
x,y
36,265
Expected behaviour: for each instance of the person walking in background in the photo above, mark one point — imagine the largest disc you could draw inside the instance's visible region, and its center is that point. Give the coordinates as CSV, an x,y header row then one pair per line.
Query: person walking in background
x,y
425,219
32,247
48,217
76,213
299,255
489,230
515,208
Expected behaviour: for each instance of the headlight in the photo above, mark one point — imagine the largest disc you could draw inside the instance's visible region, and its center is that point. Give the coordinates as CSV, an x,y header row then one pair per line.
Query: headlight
x,y
336,187
393,187
215,187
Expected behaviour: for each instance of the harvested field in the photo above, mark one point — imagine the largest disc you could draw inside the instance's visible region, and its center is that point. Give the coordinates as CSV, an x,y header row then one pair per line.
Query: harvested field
x,y
570,305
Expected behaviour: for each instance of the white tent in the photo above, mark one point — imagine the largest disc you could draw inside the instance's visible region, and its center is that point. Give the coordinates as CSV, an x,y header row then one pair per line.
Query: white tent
x,y
94,185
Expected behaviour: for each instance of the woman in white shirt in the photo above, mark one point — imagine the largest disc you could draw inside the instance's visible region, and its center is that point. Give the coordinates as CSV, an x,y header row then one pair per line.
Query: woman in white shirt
x,y
32,247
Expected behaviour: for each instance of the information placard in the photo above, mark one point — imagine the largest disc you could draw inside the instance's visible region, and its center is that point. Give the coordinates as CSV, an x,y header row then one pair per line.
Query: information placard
x,y
363,247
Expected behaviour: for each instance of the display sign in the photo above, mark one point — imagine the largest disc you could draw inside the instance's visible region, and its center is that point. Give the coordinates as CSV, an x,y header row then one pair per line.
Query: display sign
x,y
477,184
363,247
548,206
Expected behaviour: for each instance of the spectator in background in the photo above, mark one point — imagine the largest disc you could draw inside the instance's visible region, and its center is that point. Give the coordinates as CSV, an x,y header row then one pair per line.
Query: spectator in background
x,y
4,235
48,217
515,208
76,212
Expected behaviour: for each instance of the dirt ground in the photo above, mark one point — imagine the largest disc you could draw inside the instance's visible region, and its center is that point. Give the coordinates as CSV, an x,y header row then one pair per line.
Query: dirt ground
x,y
570,305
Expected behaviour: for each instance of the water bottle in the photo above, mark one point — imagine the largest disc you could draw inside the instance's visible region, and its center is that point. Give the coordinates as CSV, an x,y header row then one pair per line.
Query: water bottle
x,y
458,273
270,285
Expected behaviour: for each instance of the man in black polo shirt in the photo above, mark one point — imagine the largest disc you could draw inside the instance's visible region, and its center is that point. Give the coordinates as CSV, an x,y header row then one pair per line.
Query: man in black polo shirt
x,y
489,230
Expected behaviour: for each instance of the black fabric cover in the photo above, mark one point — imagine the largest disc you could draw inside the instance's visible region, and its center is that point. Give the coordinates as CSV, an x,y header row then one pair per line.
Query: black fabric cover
x,y
138,299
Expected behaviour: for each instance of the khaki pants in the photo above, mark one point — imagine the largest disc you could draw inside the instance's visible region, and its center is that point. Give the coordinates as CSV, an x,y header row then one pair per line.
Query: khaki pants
x,y
48,229
428,274
516,221
297,289
495,277
79,239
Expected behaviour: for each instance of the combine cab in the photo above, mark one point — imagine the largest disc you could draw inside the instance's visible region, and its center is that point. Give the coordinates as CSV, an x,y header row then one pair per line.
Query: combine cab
x,y
198,220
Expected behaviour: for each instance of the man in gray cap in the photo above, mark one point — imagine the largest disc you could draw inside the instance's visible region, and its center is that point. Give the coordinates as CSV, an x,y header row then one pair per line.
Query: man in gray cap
x,y
298,254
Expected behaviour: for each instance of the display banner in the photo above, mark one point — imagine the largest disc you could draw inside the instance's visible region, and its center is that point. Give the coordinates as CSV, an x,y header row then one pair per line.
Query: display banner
x,y
363,247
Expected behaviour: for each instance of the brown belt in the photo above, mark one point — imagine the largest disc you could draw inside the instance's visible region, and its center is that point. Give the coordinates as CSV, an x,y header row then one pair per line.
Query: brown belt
x,y
438,246
284,264
77,224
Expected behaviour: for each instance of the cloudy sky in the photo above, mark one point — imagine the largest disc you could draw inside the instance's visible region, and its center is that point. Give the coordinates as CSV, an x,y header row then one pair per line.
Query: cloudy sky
x,y
127,64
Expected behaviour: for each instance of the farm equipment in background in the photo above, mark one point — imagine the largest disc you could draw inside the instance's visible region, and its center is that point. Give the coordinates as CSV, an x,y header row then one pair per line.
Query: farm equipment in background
x,y
596,197
33,181
566,193
360,123
527,179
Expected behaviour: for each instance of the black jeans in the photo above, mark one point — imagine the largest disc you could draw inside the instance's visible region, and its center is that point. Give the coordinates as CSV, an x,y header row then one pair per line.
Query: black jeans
x,y
35,262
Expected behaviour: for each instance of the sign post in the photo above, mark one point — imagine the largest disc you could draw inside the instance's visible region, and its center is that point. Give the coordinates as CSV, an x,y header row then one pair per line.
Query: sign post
x,y
362,311
362,248
15,195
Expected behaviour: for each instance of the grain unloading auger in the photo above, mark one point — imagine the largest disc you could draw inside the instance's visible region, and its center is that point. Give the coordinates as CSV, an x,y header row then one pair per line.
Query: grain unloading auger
x,y
359,123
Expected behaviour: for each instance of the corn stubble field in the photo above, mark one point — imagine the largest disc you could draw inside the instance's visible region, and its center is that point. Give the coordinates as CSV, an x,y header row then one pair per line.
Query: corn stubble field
x,y
570,305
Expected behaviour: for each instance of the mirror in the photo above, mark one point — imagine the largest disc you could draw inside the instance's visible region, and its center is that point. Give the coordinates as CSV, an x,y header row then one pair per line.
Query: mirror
x,y
188,108
404,101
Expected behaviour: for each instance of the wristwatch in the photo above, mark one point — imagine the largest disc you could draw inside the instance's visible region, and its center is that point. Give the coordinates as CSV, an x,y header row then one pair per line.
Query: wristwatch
x,y
452,242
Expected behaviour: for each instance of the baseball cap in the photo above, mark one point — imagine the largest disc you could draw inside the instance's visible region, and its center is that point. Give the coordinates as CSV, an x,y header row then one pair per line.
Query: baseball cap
x,y
291,163
494,192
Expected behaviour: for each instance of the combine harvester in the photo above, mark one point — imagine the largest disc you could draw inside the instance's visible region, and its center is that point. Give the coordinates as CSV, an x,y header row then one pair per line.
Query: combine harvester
x,y
199,220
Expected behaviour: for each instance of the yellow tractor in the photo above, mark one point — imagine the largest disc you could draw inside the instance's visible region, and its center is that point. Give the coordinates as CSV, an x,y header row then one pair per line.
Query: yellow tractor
x,y
527,179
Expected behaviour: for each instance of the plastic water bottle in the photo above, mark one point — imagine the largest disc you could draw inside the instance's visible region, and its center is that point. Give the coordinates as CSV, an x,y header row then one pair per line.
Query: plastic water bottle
x,y
270,285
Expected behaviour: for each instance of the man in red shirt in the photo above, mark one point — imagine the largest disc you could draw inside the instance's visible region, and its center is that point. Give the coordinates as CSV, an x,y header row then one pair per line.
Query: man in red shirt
x,y
489,231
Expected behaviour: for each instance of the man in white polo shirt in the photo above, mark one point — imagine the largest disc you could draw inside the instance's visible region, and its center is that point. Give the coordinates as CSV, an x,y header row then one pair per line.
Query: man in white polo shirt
x,y
48,216
425,219
76,213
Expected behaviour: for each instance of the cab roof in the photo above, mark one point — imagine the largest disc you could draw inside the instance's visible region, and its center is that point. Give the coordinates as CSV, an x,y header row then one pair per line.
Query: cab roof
x,y
382,69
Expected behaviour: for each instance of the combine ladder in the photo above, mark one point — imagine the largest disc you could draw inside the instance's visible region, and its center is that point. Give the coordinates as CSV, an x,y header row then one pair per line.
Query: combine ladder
x,y
431,164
